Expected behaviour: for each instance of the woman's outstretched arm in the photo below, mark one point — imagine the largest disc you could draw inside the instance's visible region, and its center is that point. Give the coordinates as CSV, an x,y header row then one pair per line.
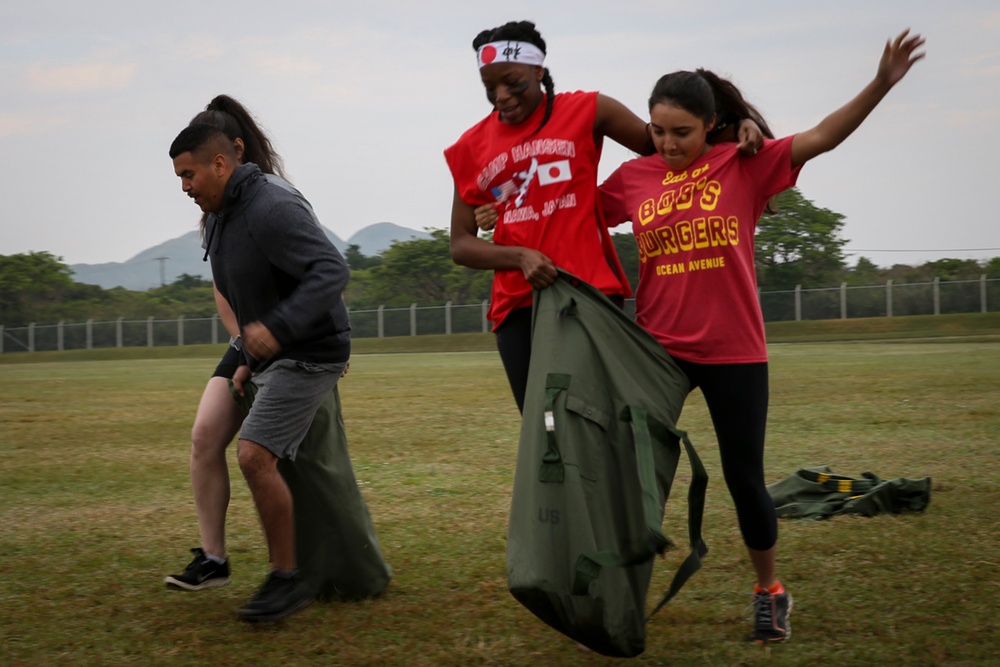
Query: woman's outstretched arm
x,y
897,58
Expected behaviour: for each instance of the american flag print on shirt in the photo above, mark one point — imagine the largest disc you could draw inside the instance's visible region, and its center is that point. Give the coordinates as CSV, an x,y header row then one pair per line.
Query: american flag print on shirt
x,y
508,189
504,191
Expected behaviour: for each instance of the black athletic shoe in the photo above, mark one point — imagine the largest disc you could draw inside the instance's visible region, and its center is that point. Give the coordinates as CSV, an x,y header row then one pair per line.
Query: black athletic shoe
x,y
277,598
770,617
201,573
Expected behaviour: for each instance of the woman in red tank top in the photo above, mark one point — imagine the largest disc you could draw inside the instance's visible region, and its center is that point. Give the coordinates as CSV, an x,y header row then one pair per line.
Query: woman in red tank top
x,y
531,166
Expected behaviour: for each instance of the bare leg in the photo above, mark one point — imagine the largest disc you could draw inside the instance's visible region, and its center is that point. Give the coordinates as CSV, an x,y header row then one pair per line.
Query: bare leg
x,y
215,425
763,565
273,500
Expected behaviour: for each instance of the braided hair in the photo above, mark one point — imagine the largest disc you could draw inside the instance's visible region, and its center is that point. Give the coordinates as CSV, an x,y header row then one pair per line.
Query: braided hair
x,y
522,31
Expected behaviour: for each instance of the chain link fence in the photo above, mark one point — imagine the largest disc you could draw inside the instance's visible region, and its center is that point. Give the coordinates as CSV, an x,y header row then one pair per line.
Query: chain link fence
x,y
843,302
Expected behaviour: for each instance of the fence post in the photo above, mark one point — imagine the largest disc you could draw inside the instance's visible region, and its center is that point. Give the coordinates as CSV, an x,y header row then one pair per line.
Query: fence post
x,y
937,295
118,332
843,301
215,328
888,297
90,333
798,303
447,317
180,331
59,336
381,322
486,310
31,337
982,294
149,331
413,319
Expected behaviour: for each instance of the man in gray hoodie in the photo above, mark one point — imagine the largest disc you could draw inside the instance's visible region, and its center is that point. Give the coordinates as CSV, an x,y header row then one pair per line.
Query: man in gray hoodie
x,y
284,280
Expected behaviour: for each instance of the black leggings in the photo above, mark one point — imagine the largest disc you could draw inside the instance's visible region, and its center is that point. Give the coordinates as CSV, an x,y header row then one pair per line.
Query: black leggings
x,y
737,396
514,345
228,364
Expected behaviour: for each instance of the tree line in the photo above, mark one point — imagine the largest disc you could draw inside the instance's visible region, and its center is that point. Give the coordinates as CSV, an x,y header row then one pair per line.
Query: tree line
x,y
796,244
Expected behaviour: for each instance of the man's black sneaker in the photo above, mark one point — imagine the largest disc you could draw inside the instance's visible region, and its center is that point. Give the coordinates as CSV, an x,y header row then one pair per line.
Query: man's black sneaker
x,y
770,617
278,597
201,573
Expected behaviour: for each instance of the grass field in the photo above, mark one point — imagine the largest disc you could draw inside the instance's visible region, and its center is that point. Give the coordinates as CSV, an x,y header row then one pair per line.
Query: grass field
x,y
95,508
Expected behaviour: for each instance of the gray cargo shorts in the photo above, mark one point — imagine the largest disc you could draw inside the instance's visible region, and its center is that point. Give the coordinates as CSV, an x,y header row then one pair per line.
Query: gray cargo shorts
x,y
288,395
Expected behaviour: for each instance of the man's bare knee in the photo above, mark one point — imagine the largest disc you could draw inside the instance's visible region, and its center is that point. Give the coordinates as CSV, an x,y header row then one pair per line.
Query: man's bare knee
x,y
254,459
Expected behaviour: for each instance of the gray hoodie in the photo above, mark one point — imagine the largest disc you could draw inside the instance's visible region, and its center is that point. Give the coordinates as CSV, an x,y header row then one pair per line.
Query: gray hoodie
x,y
273,263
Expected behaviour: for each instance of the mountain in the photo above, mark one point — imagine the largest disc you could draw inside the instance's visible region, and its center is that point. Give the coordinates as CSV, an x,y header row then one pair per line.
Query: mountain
x,y
373,239
164,263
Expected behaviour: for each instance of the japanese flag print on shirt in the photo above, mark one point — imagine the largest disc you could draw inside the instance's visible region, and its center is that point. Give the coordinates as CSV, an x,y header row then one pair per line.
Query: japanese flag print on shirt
x,y
543,179
554,172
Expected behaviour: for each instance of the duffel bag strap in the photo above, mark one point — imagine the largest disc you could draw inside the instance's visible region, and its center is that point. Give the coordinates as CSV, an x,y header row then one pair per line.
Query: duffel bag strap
x,y
839,483
696,514
588,566
552,466
646,470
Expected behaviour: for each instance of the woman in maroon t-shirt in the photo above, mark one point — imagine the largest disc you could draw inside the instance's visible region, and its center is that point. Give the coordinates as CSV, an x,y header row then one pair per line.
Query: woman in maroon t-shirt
x,y
694,207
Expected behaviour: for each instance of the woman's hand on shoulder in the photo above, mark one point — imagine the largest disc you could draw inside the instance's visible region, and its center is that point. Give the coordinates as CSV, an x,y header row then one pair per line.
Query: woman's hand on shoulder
x,y
749,137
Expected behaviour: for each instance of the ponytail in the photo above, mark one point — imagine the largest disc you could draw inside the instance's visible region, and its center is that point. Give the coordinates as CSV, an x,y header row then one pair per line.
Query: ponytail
x,y
236,121
730,105
233,119
707,96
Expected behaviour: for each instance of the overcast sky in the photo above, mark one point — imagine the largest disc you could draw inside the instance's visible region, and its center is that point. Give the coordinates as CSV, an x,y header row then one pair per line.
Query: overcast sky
x,y
361,98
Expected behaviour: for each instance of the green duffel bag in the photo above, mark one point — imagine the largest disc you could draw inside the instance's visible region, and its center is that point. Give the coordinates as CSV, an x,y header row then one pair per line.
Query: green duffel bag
x,y
337,549
819,493
597,458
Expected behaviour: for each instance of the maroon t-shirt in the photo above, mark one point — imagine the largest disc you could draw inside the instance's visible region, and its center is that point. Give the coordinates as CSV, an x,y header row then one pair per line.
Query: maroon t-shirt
x,y
697,290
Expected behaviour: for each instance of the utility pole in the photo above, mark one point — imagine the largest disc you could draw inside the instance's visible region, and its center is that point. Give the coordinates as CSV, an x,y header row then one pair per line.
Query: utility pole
x,y
163,270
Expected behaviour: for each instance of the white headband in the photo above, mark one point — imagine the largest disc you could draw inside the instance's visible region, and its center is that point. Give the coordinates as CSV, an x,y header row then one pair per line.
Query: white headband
x,y
510,52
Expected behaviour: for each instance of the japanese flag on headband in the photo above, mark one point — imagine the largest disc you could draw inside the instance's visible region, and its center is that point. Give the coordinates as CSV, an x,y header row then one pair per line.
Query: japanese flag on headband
x,y
554,172
510,52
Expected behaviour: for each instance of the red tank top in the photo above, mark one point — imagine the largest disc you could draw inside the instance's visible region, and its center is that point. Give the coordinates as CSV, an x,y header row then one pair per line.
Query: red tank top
x,y
546,182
